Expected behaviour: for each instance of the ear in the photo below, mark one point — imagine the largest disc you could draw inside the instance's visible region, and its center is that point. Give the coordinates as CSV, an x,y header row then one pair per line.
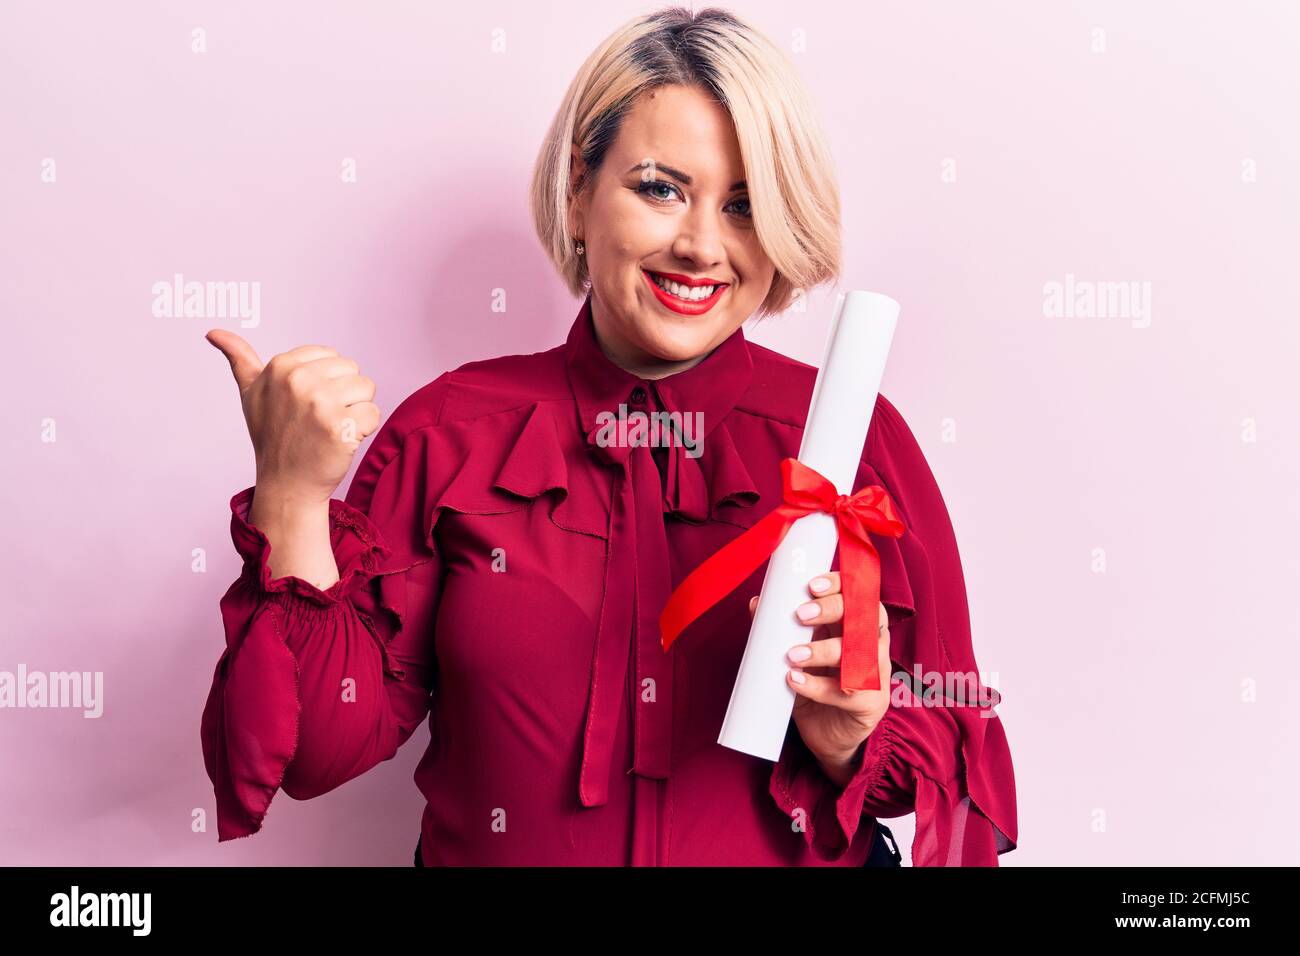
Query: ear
x,y
577,191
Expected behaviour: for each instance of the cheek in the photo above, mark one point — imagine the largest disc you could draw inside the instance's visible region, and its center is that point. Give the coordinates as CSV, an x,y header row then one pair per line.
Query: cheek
x,y
624,242
751,260
627,248
757,271
635,231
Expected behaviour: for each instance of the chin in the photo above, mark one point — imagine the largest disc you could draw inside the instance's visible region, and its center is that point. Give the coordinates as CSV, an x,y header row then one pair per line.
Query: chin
x,y
677,344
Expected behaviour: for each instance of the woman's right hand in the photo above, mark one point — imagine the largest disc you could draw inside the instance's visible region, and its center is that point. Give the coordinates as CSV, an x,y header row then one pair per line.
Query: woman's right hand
x,y
307,411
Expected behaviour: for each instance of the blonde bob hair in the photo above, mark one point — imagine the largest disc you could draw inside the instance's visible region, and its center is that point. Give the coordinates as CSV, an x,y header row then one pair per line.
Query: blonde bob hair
x,y
793,193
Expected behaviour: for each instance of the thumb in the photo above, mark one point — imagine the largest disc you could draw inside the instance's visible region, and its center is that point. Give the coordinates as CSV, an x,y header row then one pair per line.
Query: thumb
x,y
244,363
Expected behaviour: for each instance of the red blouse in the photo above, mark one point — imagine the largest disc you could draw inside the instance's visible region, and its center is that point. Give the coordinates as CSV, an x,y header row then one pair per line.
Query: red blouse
x,y
502,573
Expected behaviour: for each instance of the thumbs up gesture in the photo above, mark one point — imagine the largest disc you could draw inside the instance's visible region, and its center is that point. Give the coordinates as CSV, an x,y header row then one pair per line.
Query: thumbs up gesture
x,y
307,411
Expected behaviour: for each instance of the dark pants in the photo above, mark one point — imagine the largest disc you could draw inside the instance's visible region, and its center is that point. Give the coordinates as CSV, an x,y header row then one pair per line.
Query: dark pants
x,y
882,853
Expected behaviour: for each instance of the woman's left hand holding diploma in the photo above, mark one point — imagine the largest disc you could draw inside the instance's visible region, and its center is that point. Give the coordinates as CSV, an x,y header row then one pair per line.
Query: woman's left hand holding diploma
x,y
833,723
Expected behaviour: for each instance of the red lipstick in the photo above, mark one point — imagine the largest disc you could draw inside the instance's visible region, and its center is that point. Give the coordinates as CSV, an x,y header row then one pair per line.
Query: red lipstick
x,y
682,306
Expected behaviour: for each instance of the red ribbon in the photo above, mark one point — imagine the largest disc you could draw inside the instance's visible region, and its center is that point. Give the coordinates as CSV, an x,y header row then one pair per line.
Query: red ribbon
x,y
803,491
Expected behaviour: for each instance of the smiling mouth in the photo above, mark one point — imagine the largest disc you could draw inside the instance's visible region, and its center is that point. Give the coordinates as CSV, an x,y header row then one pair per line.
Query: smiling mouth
x,y
682,298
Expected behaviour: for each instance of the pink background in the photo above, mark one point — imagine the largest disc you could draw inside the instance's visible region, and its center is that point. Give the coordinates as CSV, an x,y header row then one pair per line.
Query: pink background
x,y
1133,739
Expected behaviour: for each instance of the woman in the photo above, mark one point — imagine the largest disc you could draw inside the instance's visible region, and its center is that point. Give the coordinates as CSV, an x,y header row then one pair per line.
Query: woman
x,y
499,563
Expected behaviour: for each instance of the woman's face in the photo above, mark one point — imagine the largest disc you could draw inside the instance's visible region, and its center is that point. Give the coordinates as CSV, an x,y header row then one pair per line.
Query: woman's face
x,y
670,200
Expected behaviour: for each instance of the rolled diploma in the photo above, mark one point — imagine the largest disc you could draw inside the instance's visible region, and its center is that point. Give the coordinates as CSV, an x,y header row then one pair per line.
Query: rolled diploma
x,y
839,415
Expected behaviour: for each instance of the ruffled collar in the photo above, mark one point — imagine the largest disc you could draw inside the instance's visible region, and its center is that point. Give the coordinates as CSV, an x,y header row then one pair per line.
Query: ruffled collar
x,y
716,484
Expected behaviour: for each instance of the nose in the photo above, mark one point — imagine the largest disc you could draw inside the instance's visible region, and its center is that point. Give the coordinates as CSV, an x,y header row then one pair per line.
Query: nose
x,y
699,241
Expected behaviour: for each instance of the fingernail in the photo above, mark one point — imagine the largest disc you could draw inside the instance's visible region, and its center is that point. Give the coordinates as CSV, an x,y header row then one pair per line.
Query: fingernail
x,y
819,584
808,611
800,652
797,677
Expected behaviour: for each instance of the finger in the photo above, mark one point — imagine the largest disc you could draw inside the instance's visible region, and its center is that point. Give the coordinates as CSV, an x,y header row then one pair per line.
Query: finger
x,y
829,651
308,353
332,366
825,690
366,417
245,366
825,584
286,362
823,653
825,610
753,605
348,391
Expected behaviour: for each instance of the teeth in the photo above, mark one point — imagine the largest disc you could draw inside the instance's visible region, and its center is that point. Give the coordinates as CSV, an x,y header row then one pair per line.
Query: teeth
x,y
683,291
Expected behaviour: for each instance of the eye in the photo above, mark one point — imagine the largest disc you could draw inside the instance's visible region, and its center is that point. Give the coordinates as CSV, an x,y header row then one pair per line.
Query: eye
x,y
748,212
645,186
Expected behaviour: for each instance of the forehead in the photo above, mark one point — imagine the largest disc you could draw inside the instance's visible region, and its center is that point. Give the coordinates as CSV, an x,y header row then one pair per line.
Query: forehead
x,y
683,127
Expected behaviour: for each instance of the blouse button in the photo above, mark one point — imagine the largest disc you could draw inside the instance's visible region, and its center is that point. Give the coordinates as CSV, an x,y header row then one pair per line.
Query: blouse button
x,y
638,395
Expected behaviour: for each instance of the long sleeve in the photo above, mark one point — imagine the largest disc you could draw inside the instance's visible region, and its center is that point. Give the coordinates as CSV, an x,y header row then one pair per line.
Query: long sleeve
x,y
945,759
968,818
315,687
913,753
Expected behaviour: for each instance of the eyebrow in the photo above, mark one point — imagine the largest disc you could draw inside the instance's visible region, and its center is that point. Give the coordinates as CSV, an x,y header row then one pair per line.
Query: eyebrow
x,y
677,173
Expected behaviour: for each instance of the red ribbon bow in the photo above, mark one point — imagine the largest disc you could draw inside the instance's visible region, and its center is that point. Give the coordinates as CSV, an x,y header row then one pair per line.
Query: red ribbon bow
x,y
803,491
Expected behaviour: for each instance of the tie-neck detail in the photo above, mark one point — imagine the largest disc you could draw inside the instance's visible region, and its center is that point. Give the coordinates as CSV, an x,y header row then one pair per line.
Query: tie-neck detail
x,y
697,481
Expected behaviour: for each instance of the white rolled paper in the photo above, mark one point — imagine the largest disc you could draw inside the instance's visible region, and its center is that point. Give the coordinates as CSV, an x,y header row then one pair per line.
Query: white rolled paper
x,y
839,415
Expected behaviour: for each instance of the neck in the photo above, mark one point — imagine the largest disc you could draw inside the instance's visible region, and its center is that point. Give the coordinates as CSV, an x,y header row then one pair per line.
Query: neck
x,y
633,360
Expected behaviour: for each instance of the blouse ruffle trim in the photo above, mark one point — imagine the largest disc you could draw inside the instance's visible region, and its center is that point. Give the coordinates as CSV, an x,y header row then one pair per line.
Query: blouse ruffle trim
x,y
251,721
358,560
